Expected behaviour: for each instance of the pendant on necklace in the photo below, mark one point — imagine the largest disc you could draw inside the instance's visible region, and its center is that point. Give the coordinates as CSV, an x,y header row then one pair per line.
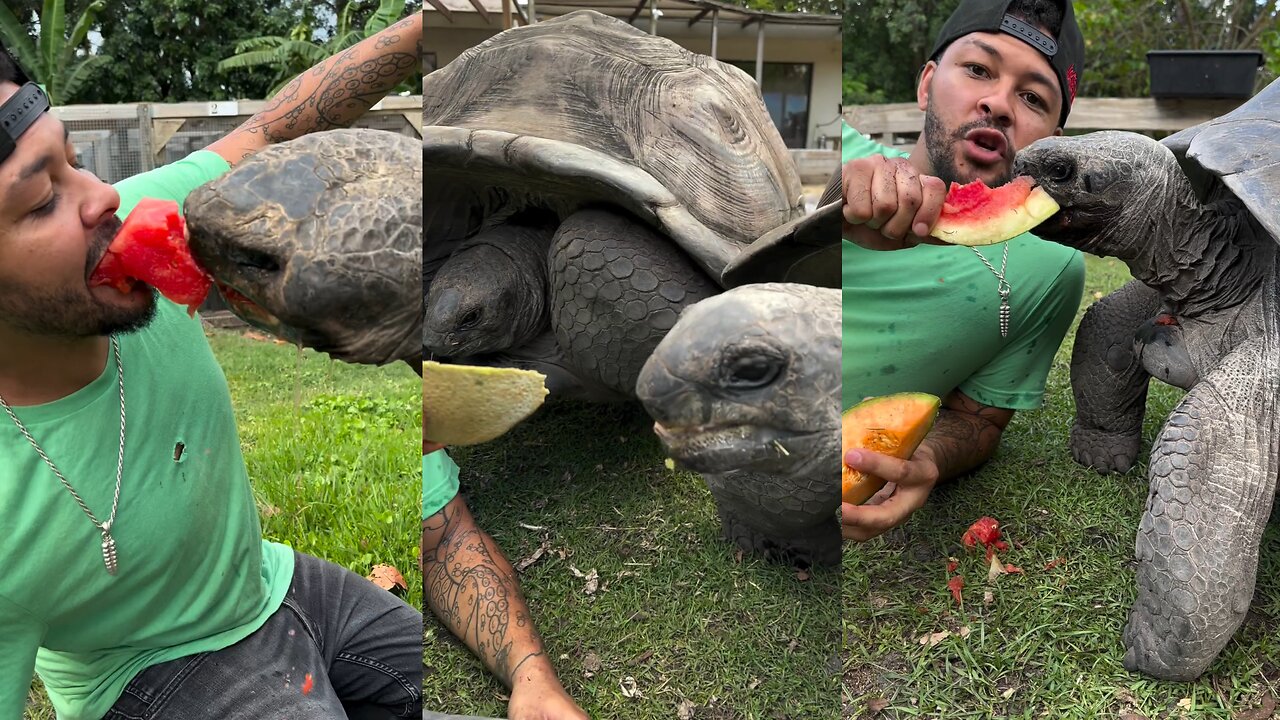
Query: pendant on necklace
x,y
1004,313
109,552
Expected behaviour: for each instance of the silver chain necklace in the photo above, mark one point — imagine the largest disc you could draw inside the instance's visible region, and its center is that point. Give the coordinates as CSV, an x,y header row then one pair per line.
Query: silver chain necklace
x,y
1002,288
108,542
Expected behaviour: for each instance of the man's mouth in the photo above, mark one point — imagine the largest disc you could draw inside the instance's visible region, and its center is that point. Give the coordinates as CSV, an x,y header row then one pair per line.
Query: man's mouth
x,y
986,146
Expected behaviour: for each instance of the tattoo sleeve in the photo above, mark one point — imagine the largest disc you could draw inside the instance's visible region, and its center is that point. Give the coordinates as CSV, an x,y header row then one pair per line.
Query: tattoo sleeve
x,y
473,590
341,88
965,435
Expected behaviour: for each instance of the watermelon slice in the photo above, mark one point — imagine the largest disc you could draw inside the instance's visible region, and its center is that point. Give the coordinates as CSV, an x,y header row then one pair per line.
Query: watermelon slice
x,y
975,214
151,248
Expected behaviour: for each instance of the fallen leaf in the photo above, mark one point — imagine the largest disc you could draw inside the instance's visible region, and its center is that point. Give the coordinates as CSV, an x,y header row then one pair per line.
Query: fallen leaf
x,y
802,575
988,597
795,643
629,689
1184,704
956,584
1054,563
530,527
1008,693
593,582
964,631
591,665
535,556
995,568
1263,712
932,639
875,705
388,578
1012,569
684,711
755,683
1097,295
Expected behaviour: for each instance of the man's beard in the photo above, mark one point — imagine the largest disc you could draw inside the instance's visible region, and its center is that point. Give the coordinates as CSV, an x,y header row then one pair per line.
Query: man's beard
x,y
72,312
940,143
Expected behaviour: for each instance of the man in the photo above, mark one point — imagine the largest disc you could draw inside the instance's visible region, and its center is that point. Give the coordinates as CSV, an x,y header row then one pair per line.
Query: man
x,y
473,590
134,578
928,317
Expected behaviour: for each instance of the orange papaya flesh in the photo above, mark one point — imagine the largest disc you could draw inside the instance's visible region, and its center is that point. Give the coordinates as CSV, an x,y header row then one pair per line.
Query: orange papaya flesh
x,y
893,425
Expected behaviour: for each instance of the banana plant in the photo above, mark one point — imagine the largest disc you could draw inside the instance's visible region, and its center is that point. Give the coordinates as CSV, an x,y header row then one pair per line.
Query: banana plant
x,y
52,60
297,52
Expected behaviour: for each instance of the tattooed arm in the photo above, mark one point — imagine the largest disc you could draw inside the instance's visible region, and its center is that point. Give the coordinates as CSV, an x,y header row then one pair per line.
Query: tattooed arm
x,y
473,590
333,93
964,437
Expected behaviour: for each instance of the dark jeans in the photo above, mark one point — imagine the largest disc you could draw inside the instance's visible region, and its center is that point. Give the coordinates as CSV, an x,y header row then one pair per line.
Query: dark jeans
x,y
360,645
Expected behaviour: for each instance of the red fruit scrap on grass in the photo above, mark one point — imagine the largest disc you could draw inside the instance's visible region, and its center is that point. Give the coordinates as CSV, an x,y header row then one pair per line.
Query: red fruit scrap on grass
x,y
952,564
955,585
151,248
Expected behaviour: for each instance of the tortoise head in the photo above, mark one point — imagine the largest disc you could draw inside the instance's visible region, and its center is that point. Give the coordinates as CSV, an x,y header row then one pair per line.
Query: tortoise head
x,y
749,380
319,241
1111,187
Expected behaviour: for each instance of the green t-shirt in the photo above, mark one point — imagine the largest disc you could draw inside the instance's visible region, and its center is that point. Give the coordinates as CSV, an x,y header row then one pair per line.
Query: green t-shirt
x,y
439,482
926,319
195,574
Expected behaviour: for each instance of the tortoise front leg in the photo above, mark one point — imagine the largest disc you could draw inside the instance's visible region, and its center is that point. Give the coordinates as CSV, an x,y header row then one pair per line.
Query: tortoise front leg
x,y
1213,476
790,520
1108,380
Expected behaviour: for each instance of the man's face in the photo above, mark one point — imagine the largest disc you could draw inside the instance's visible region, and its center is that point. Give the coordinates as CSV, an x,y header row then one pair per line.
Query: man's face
x,y
56,221
988,96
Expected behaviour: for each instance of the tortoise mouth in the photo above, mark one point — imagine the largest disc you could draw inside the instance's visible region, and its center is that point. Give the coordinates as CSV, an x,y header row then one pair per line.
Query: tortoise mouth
x,y
721,447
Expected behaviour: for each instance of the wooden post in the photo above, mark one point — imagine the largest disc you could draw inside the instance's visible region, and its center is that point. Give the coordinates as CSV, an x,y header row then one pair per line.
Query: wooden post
x,y
653,17
760,55
147,161
506,14
715,20
533,15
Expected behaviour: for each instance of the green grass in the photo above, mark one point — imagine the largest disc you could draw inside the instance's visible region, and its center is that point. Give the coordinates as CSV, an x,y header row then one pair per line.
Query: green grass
x,y
701,633
1048,645
333,452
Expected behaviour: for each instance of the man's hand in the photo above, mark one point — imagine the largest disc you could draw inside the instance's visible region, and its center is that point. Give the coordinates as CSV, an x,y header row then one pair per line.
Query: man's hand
x,y
888,204
908,487
536,694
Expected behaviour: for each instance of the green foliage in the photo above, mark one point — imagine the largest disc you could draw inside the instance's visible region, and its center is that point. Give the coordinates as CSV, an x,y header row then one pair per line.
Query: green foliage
x,y
297,51
886,42
822,7
60,63
158,60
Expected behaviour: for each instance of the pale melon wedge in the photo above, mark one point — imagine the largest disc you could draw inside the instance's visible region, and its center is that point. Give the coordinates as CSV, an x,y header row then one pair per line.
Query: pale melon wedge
x,y
975,214
469,405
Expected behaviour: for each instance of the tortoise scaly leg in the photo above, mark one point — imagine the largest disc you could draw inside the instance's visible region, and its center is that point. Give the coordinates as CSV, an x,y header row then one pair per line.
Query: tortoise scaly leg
x,y
1213,476
1108,380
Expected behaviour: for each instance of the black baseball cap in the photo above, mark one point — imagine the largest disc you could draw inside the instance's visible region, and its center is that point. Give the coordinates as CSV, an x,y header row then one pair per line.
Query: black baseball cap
x,y
1065,53
20,111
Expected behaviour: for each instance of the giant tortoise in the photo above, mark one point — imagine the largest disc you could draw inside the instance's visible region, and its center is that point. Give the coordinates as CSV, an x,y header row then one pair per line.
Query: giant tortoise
x,y
319,240
1200,314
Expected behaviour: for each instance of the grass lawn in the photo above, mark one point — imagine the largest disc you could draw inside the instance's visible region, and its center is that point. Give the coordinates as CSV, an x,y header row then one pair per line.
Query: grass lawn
x,y
1046,643
333,452
678,627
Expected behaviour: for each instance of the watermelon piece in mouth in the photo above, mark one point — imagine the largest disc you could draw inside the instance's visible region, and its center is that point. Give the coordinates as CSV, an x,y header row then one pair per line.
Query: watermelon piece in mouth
x,y
975,214
151,248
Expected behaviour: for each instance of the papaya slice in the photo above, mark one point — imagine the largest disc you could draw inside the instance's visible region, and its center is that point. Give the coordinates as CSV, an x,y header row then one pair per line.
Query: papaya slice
x,y
469,405
975,214
151,248
891,424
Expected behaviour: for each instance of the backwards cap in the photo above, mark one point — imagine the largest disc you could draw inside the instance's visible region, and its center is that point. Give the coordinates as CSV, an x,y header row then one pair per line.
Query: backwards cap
x,y
1065,53
20,111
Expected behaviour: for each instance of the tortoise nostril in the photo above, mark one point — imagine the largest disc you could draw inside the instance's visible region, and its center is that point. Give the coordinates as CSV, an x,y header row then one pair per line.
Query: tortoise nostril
x,y
252,258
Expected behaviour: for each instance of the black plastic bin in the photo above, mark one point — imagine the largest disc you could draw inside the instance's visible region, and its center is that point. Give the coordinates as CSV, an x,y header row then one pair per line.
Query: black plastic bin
x,y
1203,73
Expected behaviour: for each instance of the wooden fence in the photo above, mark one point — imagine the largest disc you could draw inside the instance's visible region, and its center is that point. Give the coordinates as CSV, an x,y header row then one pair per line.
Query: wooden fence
x,y
888,124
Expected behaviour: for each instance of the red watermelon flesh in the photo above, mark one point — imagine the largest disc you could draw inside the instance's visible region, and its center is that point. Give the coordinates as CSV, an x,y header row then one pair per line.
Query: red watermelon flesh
x,y
151,248
975,214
